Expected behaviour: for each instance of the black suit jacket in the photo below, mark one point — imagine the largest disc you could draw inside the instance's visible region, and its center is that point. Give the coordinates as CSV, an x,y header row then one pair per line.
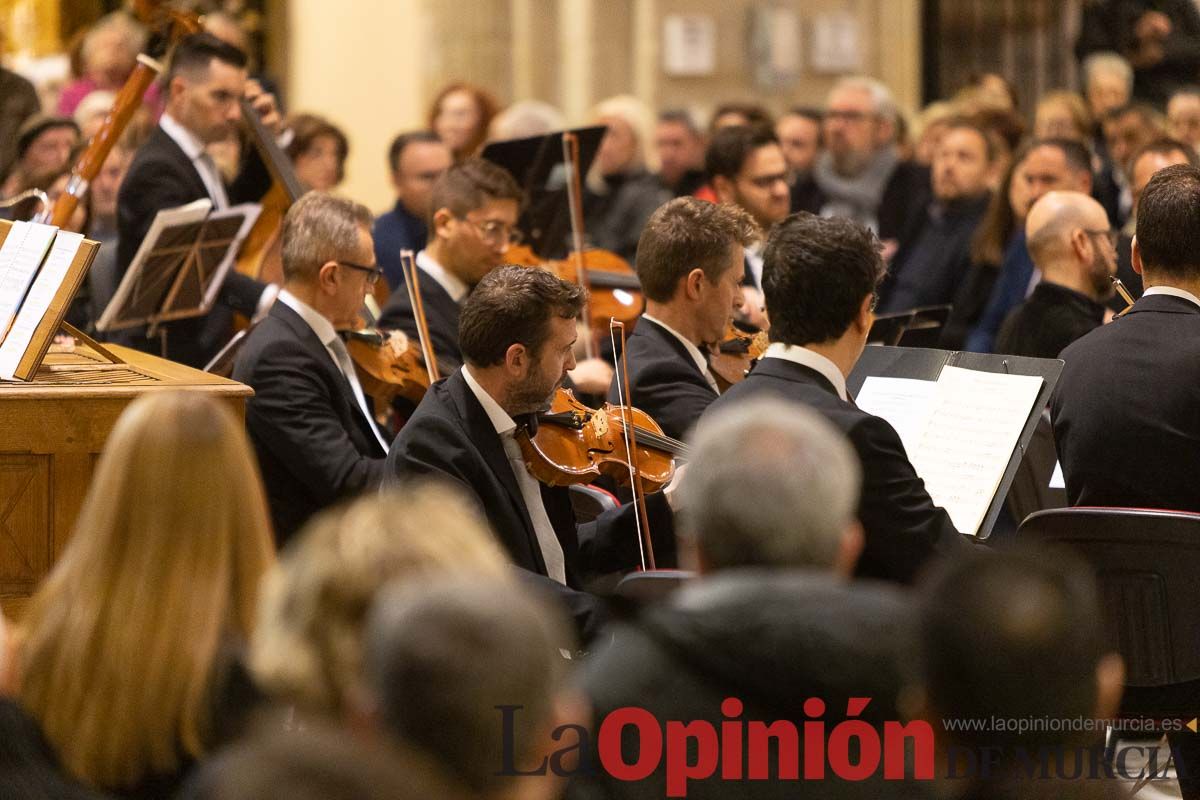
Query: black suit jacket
x,y
450,436
902,526
664,380
161,176
1126,409
314,445
441,317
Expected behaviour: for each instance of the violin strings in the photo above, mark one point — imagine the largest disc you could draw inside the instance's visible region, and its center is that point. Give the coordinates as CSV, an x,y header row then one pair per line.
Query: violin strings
x,y
637,518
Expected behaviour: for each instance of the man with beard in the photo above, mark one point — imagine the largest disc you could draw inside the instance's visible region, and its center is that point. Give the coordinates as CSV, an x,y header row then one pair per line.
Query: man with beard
x,y
517,332
1072,244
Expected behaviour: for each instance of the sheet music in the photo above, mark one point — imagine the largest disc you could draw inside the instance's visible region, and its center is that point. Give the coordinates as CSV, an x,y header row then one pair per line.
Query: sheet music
x,y
20,258
959,432
1057,481
37,302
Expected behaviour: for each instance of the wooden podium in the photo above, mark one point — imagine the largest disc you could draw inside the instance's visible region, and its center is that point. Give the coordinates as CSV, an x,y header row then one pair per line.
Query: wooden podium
x,y
52,430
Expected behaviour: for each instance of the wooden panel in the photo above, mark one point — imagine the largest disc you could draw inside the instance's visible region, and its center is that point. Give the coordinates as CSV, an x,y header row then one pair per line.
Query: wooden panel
x,y
25,539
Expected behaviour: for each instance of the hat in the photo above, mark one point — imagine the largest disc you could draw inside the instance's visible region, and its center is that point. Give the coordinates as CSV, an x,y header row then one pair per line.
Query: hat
x,y
35,126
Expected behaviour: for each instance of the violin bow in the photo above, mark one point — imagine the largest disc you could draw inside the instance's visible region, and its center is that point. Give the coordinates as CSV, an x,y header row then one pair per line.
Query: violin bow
x,y
408,266
570,145
629,432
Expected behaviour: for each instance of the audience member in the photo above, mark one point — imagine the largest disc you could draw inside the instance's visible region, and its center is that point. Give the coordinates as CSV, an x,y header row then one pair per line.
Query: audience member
x,y
1074,248
1160,38
91,112
1119,444
820,277
460,115
524,119
1063,115
128,653
102,226
1183,116
307,648
20,102
690,263
444,660
985,623
860,175
318,151
930,125
621,193
1157,155
679,144
44,145
417,160
109,54
738,114
934,258
1126,131
986,90
799,134
1107,83
1048,165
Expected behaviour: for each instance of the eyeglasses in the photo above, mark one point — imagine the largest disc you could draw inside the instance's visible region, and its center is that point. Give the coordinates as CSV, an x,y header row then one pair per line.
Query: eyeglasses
x,y
1109,234
767,181
496,232
373,273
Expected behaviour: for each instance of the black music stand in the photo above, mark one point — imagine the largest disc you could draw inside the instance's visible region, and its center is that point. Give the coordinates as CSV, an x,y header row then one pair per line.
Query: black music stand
x,y
923,364
924,327
537,165
179,267
888,328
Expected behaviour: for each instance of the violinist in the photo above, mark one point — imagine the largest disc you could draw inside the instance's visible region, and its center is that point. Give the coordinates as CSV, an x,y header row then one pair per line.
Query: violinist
x,y
518,333
417,160
311,424
206,79
689,261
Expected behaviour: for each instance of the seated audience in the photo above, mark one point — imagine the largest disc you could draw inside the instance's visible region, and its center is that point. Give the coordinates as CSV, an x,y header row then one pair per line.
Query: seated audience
x,y
20,103
44,144
318,152
771,620
518,333
1049,165
460,115
312,426
934,258
819,278
621,194
128,653
1183,116
307,648
417,160
1126,131
109,54
690,266
860,175
1074,249
444,659
928,128
1107,86
986,623
1134,441
799,134
679,145
1063,115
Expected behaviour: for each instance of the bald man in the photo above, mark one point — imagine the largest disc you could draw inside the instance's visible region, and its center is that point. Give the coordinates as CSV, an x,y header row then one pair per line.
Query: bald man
x,y
1074,247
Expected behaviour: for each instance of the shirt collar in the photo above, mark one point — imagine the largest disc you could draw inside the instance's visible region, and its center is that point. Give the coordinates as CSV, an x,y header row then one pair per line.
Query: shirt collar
x,y
1173,291
500,419
192,147
453,285
811,359
321,326
693,351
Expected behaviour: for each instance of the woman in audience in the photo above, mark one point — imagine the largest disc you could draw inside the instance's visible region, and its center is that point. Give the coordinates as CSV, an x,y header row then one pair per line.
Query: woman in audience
x,y
308,644
318,151
460,116
108,55
1063,115
127,653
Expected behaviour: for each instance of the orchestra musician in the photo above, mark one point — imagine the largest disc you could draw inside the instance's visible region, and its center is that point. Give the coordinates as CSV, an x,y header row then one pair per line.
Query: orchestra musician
x,y
310,422
205,83
689,261
518,333
819,278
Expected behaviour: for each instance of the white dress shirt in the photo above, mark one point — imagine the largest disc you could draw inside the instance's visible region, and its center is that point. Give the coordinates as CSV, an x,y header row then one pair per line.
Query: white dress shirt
x,y
1172,291
193,148
453,285
811,359
755,259
336,348
531,490
693,351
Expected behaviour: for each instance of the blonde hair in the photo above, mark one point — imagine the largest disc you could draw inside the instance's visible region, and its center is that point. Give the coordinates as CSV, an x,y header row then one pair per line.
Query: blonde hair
x,y
117,654
307,648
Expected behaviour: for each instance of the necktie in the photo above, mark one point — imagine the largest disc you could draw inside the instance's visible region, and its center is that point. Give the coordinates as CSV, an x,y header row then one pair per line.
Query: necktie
x,y
531,491
212,181
346,365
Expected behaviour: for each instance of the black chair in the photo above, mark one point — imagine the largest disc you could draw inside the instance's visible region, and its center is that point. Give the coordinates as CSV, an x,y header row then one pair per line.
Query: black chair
x,y
1147,563
652,585
589,502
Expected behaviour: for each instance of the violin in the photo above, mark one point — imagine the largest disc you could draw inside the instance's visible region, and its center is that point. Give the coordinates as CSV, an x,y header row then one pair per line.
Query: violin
x,y
578,444
616,292
388,366
730,359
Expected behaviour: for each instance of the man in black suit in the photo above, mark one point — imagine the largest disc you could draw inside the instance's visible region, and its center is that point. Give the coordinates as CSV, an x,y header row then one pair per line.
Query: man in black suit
x,y
309,420
819,277
690,264
1125,409
518,333
417,159
205,82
